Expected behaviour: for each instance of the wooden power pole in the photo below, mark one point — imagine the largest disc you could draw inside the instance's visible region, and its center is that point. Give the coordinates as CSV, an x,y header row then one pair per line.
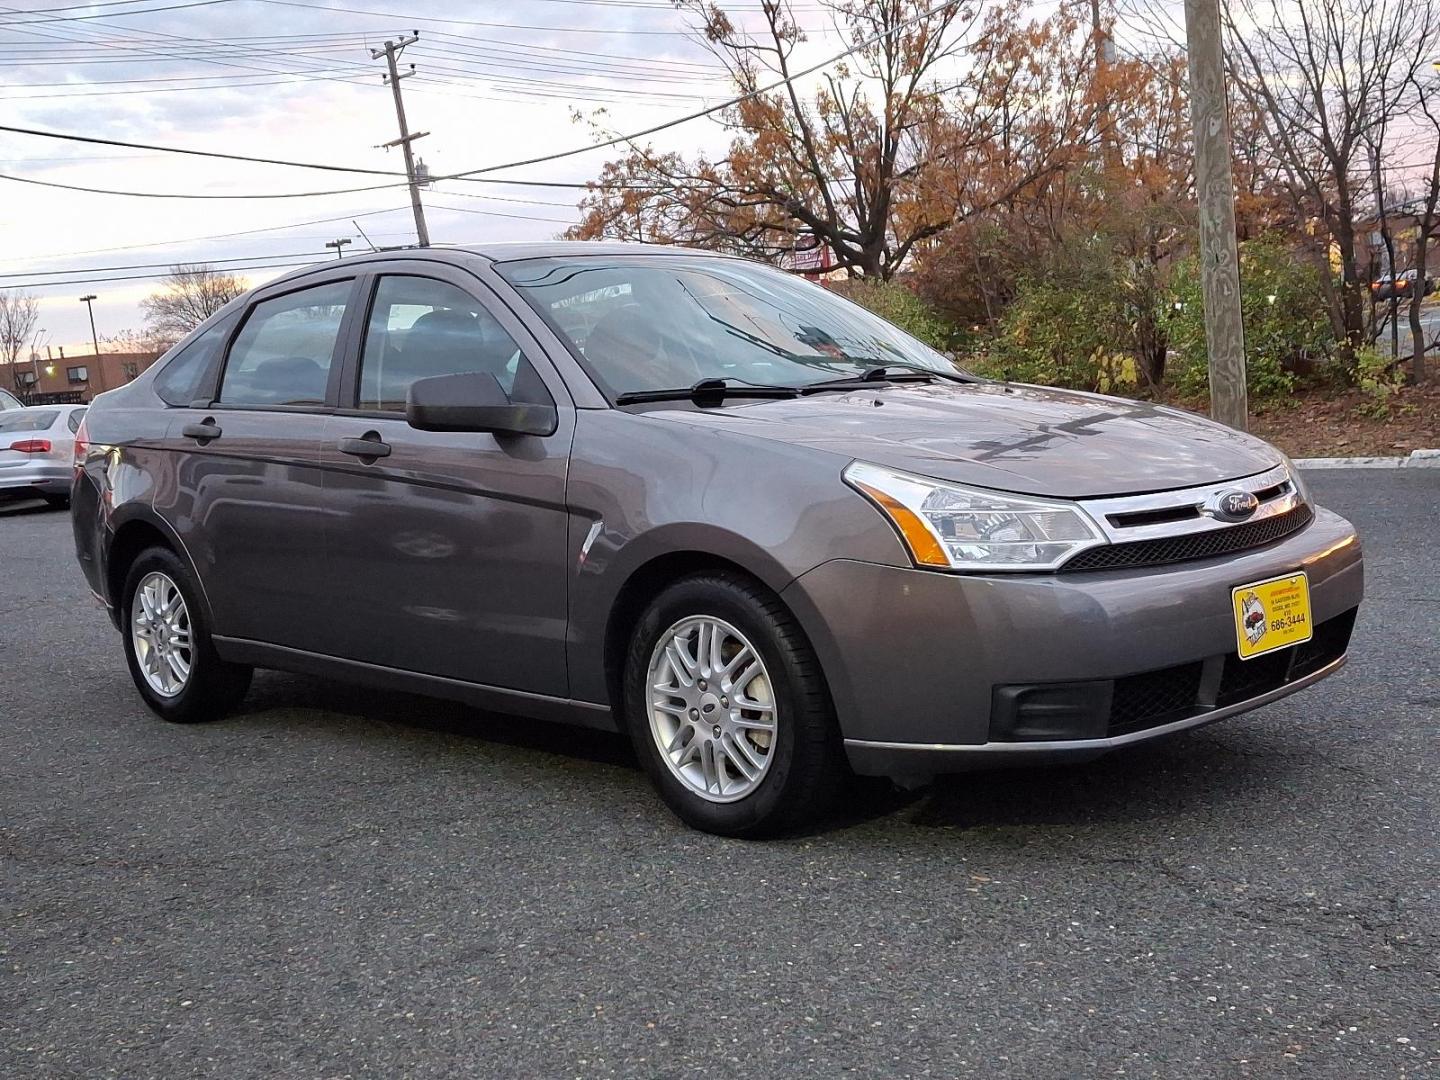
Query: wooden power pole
x,y
390,52
1215,187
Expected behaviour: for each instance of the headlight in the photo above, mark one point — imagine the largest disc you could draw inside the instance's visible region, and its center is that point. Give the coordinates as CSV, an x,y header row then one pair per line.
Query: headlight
x,y
963,528
1301,487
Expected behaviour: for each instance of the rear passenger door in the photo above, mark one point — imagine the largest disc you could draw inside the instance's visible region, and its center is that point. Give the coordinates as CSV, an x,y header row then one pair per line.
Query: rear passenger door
x,y
447,551
247,482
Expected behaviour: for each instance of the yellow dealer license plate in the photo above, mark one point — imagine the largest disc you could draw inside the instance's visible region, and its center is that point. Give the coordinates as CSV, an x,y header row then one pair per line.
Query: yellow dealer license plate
x,y
1271,614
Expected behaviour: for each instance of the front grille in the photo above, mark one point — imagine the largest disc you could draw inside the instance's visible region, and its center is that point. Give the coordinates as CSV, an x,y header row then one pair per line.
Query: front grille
x,y
1201,545
1154,697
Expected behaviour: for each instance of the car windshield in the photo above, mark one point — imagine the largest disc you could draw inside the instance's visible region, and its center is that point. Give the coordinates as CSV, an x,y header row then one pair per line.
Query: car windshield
x,y
27,420
653,322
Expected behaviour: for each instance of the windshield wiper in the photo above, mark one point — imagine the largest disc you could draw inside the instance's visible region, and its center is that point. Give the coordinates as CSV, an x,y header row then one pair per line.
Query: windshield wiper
x,y
707,392
886,373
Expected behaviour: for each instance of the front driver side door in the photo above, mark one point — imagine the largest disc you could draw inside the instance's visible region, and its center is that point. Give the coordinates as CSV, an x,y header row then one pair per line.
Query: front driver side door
x,y
447,551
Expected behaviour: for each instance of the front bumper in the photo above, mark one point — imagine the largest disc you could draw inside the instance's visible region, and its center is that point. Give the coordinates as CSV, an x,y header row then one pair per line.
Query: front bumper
x,y
914,658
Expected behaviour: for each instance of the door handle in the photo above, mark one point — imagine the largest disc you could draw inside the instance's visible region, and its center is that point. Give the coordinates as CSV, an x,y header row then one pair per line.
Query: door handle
x,y
204,431
367,446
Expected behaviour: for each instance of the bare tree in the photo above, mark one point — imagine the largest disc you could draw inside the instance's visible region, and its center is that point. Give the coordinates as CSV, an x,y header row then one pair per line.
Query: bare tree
x,y
18,314
1327,78
189,295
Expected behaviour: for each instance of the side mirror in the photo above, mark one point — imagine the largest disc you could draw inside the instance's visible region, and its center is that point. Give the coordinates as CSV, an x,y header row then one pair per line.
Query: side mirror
x,y
474,401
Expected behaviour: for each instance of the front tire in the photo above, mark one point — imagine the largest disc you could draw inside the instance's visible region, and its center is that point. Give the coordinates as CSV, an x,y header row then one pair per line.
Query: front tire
x,y
167,644
728,710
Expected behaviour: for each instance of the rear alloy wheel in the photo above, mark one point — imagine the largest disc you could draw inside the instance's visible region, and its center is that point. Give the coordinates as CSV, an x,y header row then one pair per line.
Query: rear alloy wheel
x,y
168,647
728,710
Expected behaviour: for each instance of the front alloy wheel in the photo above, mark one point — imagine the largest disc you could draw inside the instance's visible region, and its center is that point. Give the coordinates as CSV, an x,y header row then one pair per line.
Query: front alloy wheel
x,y
728,710
712,710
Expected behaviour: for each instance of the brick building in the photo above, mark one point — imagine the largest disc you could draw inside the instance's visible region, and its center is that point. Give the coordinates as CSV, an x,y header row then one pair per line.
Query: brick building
x,y
74,378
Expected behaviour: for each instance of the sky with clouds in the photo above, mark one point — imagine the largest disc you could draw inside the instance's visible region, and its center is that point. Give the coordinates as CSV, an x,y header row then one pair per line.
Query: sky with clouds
x,y
293,79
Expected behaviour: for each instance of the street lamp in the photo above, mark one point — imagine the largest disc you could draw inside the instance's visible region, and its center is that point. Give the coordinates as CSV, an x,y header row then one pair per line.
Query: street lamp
x,y
35,358
89,302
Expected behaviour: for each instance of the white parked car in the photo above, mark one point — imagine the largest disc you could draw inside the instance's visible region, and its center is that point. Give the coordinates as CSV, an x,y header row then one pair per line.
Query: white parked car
x,y
37,446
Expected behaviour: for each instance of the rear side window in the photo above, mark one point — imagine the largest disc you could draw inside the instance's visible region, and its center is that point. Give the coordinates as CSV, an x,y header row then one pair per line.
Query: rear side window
x,y
28,420
76,415
190,374
283,352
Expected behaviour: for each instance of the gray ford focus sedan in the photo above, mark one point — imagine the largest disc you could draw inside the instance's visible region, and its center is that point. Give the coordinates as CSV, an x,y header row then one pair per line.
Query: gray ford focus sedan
x,y
715,507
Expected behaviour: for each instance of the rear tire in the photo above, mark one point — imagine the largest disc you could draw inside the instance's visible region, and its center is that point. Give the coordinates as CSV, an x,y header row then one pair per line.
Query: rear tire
x,y
731,752
57,502
167,643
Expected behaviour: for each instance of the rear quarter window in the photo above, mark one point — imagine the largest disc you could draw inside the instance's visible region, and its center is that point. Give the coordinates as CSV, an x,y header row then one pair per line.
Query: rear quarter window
x,y
189,375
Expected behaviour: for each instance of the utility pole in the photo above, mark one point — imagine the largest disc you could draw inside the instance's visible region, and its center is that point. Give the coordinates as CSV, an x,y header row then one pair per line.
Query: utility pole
x,y
1215,186
337,244
390,52
1104,57
89,302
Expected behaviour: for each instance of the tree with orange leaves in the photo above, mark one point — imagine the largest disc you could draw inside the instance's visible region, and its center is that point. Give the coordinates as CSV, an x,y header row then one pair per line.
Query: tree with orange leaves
x,y
939,115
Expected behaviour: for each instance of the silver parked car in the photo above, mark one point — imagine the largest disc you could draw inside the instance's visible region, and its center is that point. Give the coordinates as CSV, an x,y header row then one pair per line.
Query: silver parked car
x,y
37,445
762,532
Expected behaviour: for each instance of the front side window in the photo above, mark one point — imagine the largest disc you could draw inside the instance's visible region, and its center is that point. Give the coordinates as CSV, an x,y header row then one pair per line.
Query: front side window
x,y
10,401
283,352
189,375
419,328
663,322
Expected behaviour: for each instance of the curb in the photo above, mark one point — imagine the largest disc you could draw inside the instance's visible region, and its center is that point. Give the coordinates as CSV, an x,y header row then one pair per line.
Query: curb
x,y
1418,459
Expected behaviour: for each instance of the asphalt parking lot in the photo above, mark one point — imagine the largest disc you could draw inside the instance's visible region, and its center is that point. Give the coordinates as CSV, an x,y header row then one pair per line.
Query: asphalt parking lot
x,y
345,883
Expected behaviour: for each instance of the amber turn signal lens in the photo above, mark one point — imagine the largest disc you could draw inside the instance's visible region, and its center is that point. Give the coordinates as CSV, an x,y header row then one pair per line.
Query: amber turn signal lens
x,y
924,548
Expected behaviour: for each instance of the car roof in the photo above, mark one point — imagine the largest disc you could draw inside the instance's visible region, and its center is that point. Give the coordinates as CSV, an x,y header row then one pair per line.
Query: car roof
x,y
50,407
511,251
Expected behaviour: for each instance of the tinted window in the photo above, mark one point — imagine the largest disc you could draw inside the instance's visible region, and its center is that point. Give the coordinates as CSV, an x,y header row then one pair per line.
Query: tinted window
x,y
420,327
76,415
190,374
648,323
28,420
282,354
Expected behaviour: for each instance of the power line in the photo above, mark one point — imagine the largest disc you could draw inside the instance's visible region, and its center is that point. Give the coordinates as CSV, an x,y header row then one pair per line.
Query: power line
x,y
190,152
149,266
104,15
193,195
221,236
411,19
542,159
68,282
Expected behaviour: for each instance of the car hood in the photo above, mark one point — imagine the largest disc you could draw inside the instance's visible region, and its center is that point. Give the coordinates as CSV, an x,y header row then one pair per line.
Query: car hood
x,y
1027,439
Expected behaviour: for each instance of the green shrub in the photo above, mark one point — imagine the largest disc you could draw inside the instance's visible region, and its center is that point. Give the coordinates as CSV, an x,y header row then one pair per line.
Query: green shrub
x,y
895,303
1075,323
1283,308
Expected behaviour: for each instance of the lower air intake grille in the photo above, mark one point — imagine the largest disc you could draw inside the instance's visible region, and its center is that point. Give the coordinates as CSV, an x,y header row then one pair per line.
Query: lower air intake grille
x,y
1201,545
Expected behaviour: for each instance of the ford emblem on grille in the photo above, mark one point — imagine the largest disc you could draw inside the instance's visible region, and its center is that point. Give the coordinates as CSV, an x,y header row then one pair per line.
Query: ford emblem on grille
x,y
1233,505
